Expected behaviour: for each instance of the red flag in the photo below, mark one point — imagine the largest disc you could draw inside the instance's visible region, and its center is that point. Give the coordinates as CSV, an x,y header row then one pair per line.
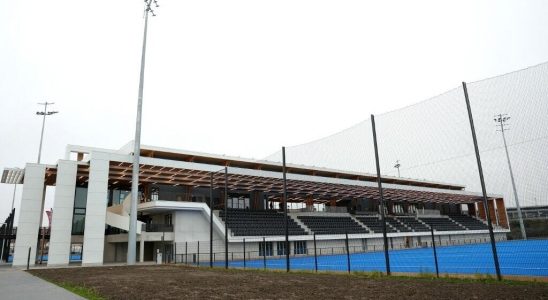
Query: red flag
x,y
49,213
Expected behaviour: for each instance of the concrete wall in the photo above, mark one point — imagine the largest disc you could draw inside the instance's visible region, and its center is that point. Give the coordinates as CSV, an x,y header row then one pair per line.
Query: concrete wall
x,y
193,225
94,232
30,214
61,223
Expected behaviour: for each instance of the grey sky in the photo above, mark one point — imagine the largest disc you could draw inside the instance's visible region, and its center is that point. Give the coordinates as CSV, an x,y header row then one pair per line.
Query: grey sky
x,y
241,77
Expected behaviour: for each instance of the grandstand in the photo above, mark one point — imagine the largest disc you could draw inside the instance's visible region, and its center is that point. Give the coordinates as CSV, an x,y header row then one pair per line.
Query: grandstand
x,y
243,222
186,194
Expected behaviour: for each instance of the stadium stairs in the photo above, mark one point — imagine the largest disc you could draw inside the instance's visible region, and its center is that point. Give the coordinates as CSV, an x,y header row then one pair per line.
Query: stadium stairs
x,y
340,224
416,225
300,223
442,223
374,223
469,222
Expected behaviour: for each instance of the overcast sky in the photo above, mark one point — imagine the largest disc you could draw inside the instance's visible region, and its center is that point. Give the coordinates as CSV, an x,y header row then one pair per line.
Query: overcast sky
x,y
240,77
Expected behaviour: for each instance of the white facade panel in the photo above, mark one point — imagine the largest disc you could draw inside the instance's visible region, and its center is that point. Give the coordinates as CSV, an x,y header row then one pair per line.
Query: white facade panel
x,y
30,214
61,223
192,225
97,198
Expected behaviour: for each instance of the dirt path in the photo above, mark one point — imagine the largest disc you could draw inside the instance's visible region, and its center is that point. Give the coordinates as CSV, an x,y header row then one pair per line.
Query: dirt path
x,y
177,282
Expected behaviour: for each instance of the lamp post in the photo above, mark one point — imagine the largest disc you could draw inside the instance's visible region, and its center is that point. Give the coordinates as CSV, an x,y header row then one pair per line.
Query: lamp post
x,y
4,233
397,166
501,120
6,225
13,199
44,114
132,236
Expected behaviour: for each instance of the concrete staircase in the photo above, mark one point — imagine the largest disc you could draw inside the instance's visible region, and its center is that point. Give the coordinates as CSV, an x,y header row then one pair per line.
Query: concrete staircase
x,y
300,223
360,223
118,215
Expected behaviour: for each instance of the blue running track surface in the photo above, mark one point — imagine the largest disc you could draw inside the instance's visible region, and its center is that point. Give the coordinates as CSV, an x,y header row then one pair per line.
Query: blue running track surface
x,y
528,258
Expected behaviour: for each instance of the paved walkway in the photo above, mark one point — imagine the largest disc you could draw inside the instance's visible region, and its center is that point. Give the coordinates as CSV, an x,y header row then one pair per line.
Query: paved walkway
x,y
20,285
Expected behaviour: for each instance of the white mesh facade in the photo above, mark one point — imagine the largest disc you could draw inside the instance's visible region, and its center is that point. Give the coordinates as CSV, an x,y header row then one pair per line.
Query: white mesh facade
x,y
432,139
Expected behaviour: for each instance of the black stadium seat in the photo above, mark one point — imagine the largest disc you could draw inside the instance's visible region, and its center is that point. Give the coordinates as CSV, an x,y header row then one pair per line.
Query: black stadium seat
x,y
441,223
374,223
259,223
332,224
414,224
469,222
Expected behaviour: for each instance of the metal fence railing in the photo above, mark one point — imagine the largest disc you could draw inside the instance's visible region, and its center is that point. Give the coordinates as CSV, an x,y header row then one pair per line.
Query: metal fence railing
x,y
434,255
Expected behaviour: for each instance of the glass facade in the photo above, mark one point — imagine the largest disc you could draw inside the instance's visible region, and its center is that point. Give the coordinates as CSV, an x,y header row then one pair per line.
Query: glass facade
x,y
238,202
299,247
79,213
265,249
281,248
118,196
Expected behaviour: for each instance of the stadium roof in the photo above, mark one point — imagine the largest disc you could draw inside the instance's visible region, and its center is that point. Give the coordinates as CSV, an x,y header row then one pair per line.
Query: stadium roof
x,y
298,190
222,160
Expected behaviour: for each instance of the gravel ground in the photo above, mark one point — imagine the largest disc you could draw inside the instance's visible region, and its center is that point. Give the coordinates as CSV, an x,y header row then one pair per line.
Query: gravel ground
x,y
179,282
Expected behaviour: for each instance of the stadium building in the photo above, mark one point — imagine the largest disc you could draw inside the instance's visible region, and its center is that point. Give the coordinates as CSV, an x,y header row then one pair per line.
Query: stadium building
x,y
181,192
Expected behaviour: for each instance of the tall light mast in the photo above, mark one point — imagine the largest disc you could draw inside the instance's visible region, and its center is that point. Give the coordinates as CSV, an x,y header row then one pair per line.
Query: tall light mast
x,y
132,236
44,113
397,166
501,120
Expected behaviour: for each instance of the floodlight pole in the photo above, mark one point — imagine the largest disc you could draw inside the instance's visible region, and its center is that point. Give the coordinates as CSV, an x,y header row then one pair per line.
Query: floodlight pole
x,y
285,214
44,114
226,217
6,224
13,199
379,182
397,166
501,119
211,220
132,235
482,181
4,233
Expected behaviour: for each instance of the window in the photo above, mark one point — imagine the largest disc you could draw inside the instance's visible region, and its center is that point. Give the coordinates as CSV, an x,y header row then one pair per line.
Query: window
x,y
168,219
80,197
265,249
412,208
364,245
118,196
155,194
79,212
281,248
398,209
78,224
238,202
299,247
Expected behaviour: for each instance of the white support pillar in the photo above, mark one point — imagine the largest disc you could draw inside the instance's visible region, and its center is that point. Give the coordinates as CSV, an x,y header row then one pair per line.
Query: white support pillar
x,y
94,230
61,223
30,214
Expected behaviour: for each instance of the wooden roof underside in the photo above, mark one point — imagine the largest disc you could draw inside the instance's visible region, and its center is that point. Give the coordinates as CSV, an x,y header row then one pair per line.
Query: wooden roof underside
x,y
298,190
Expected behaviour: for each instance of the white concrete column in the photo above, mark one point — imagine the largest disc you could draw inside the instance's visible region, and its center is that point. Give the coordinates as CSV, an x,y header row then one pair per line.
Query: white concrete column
x,y
30,214
61,223
141,248
94,230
